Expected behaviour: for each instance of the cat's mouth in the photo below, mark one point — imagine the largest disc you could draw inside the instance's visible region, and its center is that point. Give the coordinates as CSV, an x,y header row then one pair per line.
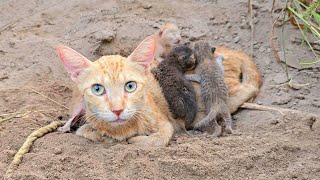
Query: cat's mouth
x,y
119,121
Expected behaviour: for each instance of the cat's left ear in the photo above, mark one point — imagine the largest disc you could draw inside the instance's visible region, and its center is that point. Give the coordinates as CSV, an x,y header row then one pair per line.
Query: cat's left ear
x,y
144,53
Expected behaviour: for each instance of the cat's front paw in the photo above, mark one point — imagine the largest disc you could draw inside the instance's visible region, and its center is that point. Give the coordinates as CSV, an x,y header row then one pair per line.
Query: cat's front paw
x,y
90,133
147,141
64,129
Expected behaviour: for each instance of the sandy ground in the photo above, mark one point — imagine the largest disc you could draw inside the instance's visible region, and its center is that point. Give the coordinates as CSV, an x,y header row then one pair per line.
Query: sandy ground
x,y
266,145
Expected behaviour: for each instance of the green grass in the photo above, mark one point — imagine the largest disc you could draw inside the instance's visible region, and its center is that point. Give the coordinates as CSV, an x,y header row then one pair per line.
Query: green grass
x,y
308,21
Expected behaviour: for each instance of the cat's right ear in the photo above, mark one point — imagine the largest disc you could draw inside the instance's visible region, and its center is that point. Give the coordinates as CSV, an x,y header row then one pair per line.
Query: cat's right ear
x,y
73,61
144,53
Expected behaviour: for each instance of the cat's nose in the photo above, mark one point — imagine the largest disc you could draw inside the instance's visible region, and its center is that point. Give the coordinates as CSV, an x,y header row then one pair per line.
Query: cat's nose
x,y
118,112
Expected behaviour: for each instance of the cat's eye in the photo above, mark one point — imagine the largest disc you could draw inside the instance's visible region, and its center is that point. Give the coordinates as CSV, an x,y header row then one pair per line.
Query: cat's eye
x,y
130,86
97,89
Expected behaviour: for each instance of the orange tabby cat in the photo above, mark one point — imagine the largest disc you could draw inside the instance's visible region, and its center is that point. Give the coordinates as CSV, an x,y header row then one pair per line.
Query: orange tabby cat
x,y
167,37
236,65
122,100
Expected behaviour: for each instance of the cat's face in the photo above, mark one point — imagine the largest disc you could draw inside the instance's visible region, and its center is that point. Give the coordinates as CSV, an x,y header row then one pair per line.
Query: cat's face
x,y
113,87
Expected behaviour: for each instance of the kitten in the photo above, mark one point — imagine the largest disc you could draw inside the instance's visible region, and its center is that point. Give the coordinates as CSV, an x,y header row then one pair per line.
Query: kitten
x,y
168,37
177,90
213,89
121,98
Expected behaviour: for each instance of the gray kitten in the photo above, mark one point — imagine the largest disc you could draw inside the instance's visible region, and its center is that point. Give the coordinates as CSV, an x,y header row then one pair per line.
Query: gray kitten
x,y
209,73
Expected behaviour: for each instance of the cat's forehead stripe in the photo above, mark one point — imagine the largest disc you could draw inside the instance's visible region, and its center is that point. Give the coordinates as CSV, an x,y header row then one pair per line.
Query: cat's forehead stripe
x,y
112,68
116,69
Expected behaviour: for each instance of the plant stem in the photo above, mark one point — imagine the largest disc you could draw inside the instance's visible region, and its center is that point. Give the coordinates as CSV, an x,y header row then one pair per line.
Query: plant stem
x,y
283,41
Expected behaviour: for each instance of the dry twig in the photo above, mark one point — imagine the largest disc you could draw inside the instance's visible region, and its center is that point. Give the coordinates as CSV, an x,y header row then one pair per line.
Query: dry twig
x,y
49,98
282,111
252,26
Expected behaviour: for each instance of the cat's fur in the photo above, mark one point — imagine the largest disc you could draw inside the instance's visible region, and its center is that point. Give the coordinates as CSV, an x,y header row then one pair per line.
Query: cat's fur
x,y
142,116
177,90
168,37
213,89
241,75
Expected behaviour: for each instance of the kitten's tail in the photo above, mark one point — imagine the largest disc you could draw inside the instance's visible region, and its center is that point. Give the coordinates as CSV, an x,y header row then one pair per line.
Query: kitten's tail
x,y
211,116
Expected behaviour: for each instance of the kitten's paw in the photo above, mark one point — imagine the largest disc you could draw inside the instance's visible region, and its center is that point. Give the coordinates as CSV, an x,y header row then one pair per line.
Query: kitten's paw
x,y
194,132
198,127
229,130
217,131
147,141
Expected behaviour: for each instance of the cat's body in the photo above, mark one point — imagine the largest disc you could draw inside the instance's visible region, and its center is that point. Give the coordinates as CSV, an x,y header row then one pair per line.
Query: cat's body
x,y
168,37
121,97
177,90
213,89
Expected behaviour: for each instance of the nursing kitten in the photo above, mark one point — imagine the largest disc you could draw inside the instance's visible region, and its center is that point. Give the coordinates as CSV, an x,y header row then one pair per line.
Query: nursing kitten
x,y
121,98
168,37
213,89
177,90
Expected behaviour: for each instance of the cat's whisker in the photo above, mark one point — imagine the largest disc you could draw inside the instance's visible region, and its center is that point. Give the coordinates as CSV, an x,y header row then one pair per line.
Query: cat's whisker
x,y
145,108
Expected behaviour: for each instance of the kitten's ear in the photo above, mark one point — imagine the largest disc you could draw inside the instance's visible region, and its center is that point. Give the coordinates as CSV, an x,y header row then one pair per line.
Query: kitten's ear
x,y
162,29
144,53
73,61
160,33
